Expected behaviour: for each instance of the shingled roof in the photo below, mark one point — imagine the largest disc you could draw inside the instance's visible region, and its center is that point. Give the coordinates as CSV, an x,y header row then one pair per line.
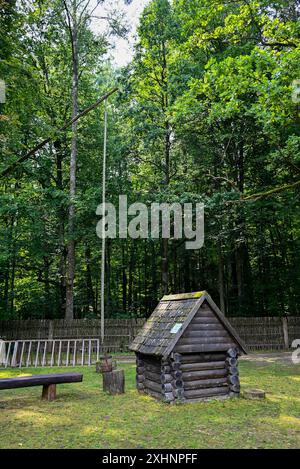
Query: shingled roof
x,y
169,320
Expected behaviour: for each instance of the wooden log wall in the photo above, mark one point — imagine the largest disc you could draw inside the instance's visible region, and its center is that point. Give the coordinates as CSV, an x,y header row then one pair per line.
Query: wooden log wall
x,y
154,377
177,375
204,334
140,374
202,376
233,373
189,377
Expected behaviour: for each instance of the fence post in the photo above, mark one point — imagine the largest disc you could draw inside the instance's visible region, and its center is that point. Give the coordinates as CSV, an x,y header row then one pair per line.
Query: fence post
x,y
50,335
50,330
14,357
285,332
2,352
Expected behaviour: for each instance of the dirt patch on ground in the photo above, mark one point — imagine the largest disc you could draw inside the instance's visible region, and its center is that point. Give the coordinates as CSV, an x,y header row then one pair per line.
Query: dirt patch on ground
x,y
268,358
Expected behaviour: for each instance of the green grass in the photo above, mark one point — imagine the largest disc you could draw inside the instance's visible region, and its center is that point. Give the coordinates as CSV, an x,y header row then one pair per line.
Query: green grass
x,y
84,417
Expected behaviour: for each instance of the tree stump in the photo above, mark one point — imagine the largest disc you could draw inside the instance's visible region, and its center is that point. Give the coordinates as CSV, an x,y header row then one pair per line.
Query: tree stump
x,y
114,382
254,394
49,392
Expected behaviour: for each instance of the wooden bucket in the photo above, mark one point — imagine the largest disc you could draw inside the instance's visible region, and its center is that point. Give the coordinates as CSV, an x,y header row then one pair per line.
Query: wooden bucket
x,y
106,364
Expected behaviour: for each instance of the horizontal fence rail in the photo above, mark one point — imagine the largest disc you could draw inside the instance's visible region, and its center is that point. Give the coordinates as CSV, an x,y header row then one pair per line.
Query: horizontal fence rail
x,y
259,333
49,353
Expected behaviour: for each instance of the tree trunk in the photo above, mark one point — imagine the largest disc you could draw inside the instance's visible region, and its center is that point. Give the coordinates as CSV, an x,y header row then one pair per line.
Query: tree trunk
x,y
187,279
167,150
154,282
124,280
108,276
47,310
10,229
130,278
240,223
71,242
165,244
89,280
239,272
13,267
221,279
61,228
165,267
6,287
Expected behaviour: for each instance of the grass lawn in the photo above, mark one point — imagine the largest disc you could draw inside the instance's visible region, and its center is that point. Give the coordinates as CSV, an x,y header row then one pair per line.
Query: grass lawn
x,y
84,417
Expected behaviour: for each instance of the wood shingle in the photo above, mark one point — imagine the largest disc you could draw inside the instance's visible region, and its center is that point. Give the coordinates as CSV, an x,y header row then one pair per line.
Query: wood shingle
x,y
170,319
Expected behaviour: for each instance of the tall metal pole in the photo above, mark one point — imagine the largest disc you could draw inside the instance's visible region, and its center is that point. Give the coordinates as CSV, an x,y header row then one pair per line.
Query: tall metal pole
x,y
103,226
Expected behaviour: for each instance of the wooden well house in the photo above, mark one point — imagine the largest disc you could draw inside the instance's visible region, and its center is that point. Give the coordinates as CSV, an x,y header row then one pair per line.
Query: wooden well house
x,y
187,351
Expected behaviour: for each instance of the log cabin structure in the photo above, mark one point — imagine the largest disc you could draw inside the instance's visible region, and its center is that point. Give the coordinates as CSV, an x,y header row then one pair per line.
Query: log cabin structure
x,y
187,351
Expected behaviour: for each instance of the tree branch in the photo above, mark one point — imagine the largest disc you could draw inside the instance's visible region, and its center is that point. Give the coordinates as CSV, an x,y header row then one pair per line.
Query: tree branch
x,y
222,178
276,190
279,44
40,145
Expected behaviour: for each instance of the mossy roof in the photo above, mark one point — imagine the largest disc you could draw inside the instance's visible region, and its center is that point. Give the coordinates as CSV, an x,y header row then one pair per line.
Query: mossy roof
x,y
170,319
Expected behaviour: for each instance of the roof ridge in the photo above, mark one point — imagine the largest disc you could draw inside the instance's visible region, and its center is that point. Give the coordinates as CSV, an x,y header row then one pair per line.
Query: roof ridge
x,y
183,296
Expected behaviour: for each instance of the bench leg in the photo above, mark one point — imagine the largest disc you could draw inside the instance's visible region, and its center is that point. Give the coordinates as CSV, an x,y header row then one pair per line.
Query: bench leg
x,y
49,392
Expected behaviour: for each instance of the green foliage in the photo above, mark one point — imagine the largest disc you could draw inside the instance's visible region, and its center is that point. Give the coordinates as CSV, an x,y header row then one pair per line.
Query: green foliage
x,y
205,114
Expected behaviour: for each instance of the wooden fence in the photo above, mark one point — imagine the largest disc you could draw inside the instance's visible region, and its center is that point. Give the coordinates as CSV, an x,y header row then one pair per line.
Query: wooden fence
x,y
267,333
259,333
118,332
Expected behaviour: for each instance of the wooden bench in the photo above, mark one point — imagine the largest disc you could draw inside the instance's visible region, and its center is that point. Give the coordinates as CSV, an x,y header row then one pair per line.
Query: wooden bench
x,y
48,382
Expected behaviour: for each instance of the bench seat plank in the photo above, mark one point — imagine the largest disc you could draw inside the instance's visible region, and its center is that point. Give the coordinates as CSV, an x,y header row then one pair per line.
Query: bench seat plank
x,y
40,380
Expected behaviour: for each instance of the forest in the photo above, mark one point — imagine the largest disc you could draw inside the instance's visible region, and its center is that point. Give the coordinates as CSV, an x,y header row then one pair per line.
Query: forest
x,y
206,111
